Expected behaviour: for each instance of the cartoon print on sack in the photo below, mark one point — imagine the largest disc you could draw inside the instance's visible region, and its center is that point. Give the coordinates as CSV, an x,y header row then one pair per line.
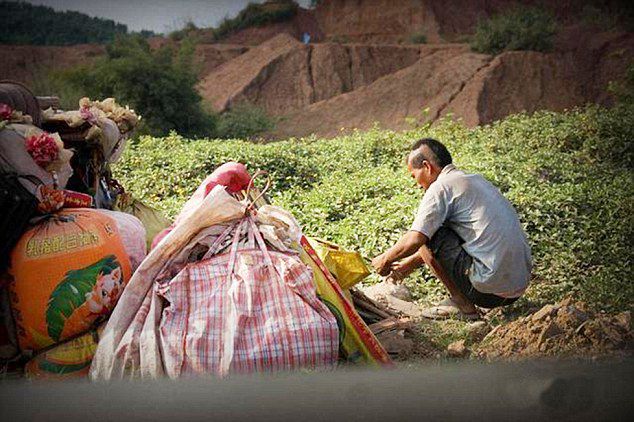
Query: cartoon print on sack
x,y
83,296
104,296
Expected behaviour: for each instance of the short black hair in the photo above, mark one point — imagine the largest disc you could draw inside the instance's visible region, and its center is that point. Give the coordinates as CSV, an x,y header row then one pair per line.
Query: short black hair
x,y
439,154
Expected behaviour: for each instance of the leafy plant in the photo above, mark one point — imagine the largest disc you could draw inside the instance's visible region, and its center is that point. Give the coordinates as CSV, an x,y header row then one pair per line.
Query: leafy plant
x,y
243,122
522,28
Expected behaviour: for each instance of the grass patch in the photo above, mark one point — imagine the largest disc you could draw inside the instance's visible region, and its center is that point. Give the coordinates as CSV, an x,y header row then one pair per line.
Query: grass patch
x,y
569,175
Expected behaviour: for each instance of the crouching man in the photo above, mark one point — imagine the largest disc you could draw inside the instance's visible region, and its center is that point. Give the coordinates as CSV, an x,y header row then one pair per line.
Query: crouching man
x,y
466,232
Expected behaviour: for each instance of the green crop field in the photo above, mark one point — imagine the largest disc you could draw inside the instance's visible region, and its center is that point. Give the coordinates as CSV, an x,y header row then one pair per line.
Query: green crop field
x,y
568,174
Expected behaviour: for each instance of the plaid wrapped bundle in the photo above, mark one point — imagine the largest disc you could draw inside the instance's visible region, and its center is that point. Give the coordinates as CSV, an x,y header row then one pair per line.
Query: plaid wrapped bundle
x,y
248,310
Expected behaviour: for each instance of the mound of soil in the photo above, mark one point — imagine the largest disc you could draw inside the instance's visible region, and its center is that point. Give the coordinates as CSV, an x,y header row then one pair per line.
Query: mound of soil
x,y
563,329
210,56
249,74
337,68
519,81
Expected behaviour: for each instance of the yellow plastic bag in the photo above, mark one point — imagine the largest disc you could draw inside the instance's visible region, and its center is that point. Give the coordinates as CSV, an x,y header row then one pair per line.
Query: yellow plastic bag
x,y
153,221
356,341
348,267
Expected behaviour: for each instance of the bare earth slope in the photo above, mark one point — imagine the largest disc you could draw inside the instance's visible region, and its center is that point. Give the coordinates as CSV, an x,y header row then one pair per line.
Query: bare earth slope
x,y
243,77
389,21
475,88
283,75
527,81
367,77
432,82
23,63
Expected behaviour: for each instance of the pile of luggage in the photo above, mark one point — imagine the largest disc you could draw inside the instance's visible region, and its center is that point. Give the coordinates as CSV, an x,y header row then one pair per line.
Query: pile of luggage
x,y
232,286
66,254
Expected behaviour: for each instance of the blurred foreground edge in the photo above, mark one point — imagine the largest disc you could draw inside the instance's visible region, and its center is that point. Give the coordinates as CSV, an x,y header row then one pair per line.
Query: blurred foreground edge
x,y
540,390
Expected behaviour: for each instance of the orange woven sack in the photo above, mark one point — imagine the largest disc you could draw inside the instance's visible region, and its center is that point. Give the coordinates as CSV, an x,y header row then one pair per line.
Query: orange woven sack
x,y
68,271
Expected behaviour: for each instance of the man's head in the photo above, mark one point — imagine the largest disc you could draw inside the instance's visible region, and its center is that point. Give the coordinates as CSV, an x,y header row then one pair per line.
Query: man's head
x,y
426,160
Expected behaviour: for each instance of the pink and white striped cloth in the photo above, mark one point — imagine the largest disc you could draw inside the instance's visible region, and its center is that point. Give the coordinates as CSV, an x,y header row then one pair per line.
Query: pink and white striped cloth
x,y
248,310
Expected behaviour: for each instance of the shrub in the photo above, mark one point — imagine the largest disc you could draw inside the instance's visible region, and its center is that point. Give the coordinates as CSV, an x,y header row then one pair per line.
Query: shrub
x,y
522,28
50,82
256,14
243,122
566,174
418,38
623,90
187,31
158,84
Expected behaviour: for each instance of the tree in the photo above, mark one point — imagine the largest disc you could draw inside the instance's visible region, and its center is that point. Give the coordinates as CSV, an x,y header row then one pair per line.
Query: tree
x,y
158,84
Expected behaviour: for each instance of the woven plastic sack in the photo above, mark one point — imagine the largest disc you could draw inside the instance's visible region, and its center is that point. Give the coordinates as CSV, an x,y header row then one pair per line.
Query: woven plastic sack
x,y
245,311
67,360
348,267
68,271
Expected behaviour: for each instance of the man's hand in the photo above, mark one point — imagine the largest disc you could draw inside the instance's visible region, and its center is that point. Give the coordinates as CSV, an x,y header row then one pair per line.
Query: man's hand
x,y
381,264
406,245
405,267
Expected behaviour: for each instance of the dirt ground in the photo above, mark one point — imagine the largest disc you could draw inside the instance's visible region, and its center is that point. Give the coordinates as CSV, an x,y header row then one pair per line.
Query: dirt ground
x,y
561,330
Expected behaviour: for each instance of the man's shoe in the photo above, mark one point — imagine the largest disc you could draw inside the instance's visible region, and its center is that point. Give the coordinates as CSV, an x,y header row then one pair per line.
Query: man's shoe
x,y
449,309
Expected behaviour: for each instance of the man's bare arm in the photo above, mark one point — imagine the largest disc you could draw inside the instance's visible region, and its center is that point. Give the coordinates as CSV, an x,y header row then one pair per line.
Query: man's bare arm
x,y
408,244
